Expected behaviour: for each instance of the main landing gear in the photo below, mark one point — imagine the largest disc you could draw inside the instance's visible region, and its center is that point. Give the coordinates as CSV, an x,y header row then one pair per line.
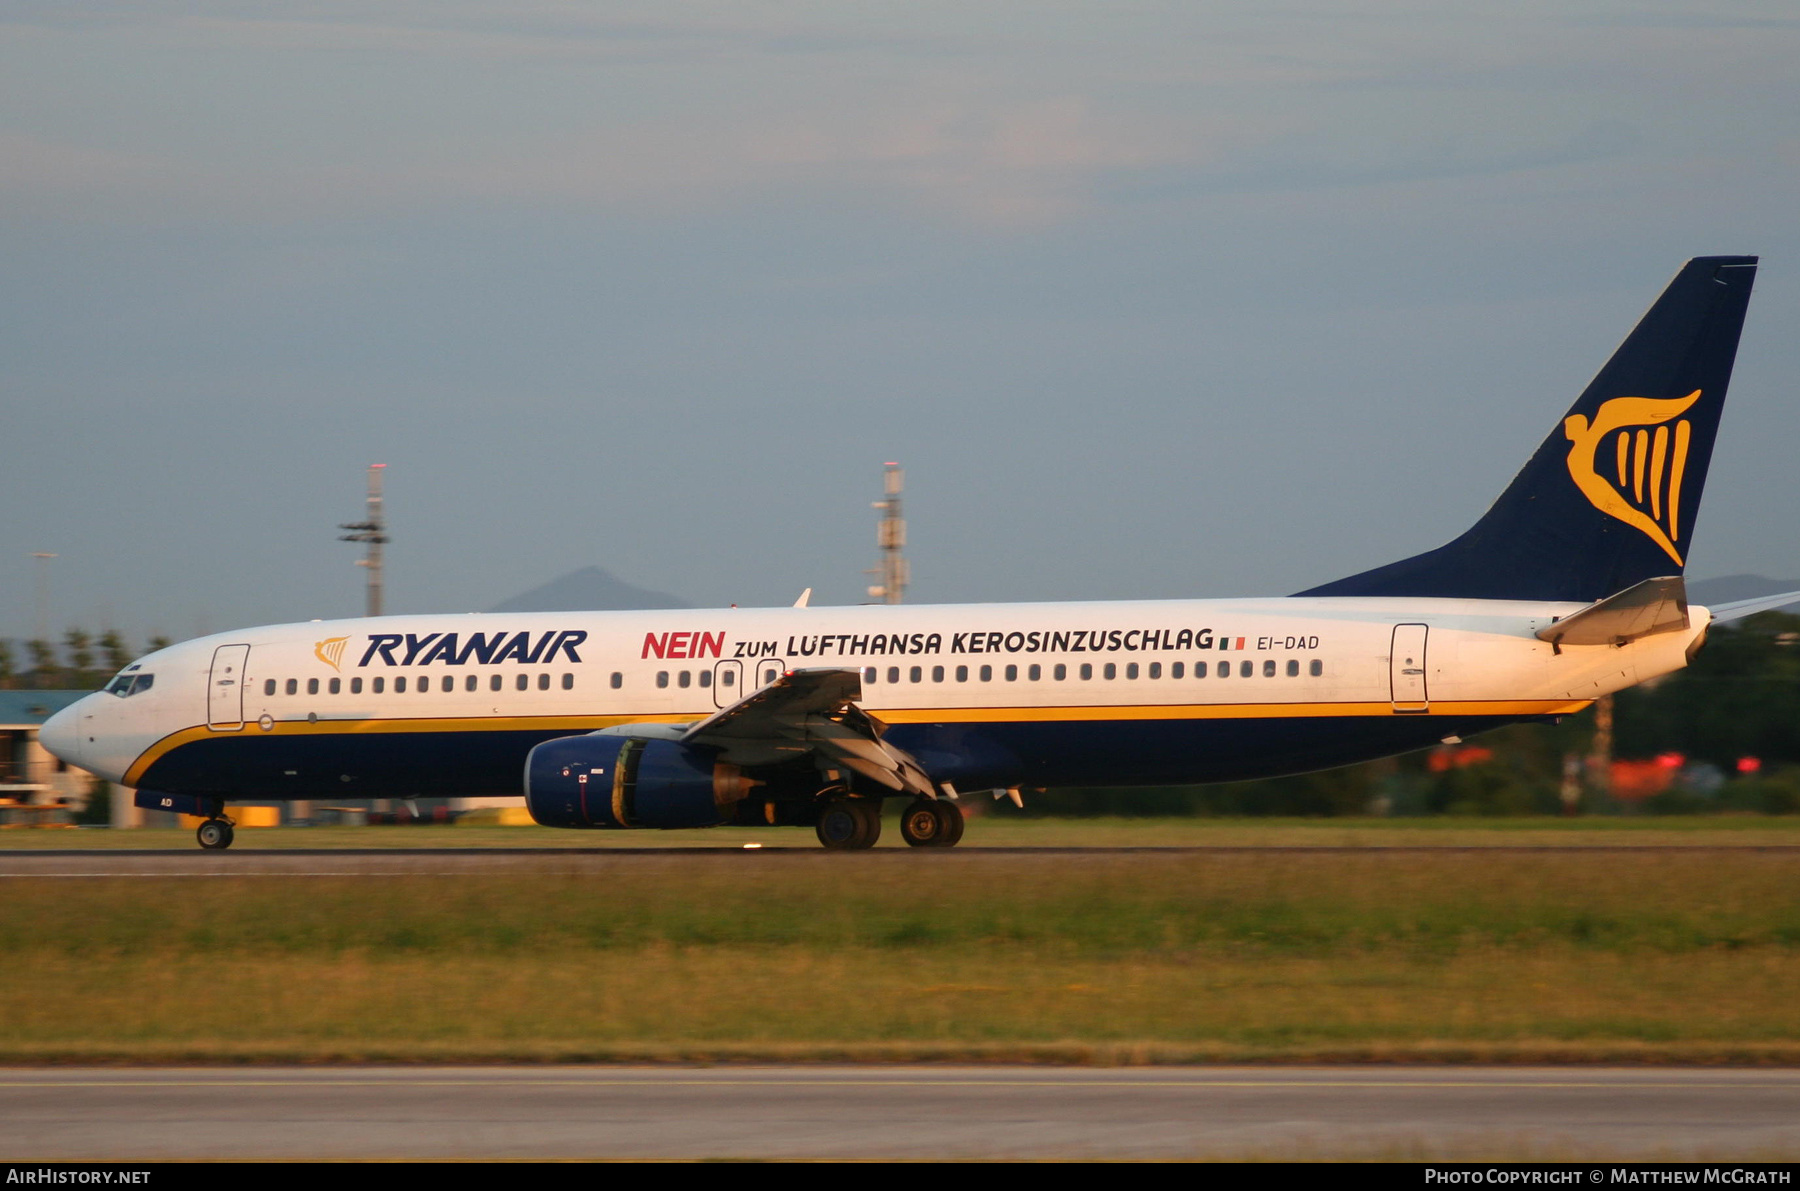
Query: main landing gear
x,y
932,824
850,823
215,834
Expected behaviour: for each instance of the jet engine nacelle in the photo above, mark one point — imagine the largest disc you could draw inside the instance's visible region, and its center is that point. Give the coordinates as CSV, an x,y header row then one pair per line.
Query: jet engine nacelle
x,y
625,781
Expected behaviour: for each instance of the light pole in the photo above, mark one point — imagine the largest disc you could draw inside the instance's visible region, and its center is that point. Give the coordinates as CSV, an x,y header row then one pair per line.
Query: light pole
x,y
373,532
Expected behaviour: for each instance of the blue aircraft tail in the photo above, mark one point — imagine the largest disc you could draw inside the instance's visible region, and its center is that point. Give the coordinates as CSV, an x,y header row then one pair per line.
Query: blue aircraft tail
x,y
1609,498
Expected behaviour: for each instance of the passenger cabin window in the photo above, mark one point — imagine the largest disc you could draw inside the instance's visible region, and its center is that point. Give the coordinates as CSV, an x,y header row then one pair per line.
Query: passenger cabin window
x,y
962,674
269,687
568,682
337,684
1293,668
618,680
868,674
293,686
379,684
662,679
544,681
356,686
1060,672
706,678
1156,669
1034,672
916,674
493,682
1175,669
728,678
893,674
684,679
312,686
1131,669
400,685
1012,674
1245,669
1111,672
1317,668
937,674
470,683
987,674
1269,668
1225,669
1087,671
523,682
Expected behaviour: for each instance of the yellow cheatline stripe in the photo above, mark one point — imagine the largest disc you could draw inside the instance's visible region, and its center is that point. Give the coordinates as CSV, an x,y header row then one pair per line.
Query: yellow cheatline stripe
x,y
1215,711
496,723
918,715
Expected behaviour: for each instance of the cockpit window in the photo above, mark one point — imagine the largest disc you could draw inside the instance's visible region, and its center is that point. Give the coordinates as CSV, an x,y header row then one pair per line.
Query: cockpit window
x,y
128,684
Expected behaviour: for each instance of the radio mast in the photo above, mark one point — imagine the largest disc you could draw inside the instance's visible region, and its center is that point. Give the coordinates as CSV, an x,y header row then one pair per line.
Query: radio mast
x,y
373,531
891,536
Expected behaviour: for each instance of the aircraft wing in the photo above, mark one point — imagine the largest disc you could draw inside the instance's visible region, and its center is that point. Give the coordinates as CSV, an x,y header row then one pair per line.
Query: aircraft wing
x,y
1739,609
811,711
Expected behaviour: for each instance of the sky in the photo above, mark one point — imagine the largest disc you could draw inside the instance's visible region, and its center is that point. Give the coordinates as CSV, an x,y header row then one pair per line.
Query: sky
x,y
1151,299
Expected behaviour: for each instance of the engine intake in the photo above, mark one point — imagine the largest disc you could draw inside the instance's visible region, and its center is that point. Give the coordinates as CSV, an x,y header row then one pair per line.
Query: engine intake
x,y
624,781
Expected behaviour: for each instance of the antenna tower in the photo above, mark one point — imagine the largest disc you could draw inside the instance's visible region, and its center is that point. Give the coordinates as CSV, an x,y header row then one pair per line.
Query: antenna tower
x,y
373,531
891,536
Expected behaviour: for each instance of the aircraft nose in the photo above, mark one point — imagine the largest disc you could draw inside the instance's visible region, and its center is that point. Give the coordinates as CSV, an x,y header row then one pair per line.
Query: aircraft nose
x,y
61,733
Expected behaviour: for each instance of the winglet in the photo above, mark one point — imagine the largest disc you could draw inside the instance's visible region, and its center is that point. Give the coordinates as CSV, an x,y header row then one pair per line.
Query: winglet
x,y
805,598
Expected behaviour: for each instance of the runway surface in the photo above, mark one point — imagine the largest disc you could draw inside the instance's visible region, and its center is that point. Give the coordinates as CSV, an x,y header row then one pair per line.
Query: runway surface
x,y
899,1112
351,862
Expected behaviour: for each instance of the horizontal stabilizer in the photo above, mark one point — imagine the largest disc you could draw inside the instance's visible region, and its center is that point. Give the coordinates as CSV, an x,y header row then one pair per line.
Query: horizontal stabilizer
x,y
1739,609
1642,610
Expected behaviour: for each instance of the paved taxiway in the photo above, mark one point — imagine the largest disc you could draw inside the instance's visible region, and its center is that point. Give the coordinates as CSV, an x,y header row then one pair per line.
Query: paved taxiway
x,y
898,1112
356,862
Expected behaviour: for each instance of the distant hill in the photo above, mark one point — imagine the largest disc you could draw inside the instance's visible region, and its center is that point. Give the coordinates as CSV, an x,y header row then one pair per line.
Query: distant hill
x,y
590,589
1727,588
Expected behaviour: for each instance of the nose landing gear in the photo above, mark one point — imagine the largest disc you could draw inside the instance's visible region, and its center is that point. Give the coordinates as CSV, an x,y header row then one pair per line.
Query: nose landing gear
x,y
215,834
929,824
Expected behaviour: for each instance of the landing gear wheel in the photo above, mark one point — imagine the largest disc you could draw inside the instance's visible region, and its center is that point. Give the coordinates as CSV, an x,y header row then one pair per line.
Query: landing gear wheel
x,y
848,823
928,824
214,835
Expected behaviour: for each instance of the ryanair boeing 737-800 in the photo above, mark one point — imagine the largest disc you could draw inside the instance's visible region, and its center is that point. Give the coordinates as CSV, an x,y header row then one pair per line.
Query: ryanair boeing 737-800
x,y
1570,587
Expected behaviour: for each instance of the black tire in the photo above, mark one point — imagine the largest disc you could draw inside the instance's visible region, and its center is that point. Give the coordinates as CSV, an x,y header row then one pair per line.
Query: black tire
x,y
953,823
214,835
847,824
928,824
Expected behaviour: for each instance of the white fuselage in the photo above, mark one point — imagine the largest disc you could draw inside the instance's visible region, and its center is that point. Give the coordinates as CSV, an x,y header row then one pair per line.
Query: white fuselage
x,y
1040,693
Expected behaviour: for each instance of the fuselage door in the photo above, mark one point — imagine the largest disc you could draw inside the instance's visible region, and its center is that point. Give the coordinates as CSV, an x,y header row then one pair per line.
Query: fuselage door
x,y
225,692
1406,667
728,683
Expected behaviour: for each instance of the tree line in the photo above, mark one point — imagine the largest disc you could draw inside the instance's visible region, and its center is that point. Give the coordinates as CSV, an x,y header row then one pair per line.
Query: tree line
x,y
84,662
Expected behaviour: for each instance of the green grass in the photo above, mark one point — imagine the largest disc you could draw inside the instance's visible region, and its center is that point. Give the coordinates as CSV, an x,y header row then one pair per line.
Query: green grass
x,y
1544,957
1002,830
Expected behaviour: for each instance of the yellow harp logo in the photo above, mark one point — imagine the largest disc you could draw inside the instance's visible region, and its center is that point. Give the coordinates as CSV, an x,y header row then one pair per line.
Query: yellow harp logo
x,y
1648,465
330,651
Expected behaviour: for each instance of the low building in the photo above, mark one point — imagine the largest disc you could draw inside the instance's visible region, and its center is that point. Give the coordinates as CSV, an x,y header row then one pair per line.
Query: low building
x,y
29,775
